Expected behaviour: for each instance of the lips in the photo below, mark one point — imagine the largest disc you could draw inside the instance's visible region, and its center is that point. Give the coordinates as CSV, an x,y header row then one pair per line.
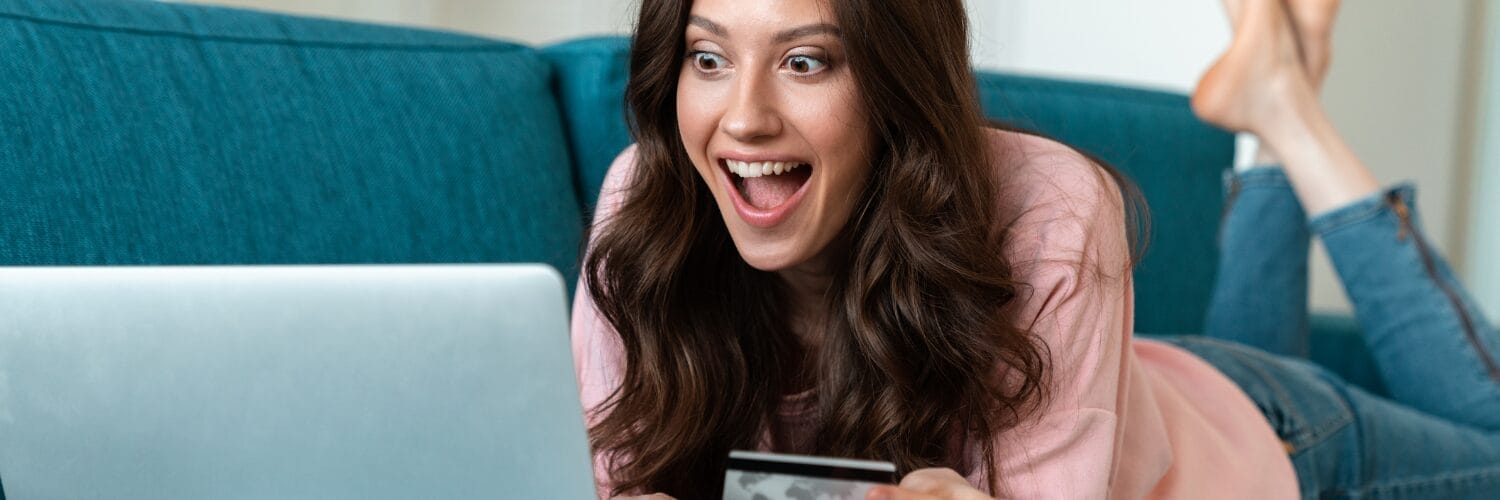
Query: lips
x,y
765,191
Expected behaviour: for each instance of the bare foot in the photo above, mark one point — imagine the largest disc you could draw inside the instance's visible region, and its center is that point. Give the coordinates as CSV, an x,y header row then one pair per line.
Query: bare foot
x,y
1266,84
1312,24
1250,82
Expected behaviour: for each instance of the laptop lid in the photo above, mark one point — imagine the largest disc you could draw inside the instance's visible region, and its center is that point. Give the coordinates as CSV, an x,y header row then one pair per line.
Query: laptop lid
x,y
288,382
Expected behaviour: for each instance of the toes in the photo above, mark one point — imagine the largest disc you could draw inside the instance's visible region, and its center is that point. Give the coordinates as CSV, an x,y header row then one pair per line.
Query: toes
x,y
1314,18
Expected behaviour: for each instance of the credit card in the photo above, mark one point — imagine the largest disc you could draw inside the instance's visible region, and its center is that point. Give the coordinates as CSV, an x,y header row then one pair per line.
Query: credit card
x,y
755,475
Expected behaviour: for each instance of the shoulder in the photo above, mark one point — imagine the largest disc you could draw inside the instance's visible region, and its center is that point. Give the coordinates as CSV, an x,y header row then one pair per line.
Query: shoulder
x,y
1038,174
1059,212
625,158
620,172
616,181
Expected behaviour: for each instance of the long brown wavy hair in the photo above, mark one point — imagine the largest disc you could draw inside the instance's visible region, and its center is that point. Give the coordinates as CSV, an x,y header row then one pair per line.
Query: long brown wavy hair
x,y
919,334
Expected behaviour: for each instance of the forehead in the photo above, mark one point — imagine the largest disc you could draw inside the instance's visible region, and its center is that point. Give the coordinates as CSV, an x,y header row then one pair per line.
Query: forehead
x,y
757,15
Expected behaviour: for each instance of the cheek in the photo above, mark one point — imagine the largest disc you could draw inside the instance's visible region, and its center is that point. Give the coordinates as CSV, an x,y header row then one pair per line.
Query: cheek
x,y
838,128
695,117
833,120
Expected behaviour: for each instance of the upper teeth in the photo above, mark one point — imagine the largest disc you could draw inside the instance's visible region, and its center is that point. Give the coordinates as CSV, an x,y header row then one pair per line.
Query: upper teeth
x,y
759,168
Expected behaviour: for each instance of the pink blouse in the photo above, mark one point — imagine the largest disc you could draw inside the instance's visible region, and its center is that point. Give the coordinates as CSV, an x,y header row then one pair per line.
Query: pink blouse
x,y
1127,418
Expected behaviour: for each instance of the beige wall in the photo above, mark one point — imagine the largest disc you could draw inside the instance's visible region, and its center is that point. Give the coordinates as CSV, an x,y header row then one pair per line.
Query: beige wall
x,y
529,21
1484,221
1396,88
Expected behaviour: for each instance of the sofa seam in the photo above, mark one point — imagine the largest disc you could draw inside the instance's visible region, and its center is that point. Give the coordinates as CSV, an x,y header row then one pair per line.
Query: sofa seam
x,y
485,46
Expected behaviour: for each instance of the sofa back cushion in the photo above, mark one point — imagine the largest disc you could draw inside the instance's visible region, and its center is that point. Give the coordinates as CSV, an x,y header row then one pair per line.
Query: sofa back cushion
x,y
590,88
141,132
1152,137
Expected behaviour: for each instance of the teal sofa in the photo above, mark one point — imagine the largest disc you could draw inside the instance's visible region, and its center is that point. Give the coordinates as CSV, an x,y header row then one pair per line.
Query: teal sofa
x,y
138,132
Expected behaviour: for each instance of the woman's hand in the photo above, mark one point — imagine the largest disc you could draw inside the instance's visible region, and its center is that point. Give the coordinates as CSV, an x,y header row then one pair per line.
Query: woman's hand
x,y
929,484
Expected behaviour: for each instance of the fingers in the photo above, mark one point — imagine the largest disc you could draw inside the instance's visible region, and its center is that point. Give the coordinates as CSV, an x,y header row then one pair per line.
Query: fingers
x,y
895,493
930,484
933,480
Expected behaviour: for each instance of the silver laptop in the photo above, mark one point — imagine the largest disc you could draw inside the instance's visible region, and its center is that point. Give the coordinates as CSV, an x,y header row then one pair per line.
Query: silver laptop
x,y
363,382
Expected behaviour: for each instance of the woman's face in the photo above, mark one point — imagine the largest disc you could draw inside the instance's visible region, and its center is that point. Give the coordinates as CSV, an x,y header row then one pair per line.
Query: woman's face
x,y
770,116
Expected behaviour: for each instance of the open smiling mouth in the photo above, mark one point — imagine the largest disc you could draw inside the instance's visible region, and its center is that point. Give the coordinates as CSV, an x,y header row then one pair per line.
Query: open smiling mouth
x,y
767,185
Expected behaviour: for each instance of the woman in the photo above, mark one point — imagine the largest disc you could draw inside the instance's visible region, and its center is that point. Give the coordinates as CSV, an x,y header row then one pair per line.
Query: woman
x,y
817,247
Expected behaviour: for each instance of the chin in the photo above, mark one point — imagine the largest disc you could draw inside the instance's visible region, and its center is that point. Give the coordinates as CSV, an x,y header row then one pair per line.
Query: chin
x,y
769,256
768,260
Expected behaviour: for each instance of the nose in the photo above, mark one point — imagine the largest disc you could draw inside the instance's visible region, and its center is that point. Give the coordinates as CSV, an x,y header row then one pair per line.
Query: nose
x,y
752,114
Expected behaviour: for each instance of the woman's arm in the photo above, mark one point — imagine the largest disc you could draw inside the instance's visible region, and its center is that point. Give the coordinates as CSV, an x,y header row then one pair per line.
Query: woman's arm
x,y
598,358
1070,246
1068,243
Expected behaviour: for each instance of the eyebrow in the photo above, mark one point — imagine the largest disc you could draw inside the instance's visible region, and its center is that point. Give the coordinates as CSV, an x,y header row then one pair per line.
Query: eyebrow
x,y
781,37
805,31
712,27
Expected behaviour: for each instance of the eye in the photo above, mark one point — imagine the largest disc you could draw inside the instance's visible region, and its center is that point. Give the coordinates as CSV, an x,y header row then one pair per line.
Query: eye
x,y
805,65
707,62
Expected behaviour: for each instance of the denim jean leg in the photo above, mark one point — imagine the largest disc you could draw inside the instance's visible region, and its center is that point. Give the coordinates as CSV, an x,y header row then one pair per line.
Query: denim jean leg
x,y
1260,296
1409,454
1434,350
1346,443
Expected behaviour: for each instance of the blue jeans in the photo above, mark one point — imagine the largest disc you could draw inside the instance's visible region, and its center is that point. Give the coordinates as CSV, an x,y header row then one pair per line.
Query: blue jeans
x,y
1438,433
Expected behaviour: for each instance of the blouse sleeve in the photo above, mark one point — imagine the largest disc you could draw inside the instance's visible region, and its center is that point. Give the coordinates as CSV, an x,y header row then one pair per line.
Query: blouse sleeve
x,y
1068,244
598,357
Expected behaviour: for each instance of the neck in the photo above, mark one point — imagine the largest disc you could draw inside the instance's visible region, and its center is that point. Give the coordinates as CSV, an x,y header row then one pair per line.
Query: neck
x,y
807,285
